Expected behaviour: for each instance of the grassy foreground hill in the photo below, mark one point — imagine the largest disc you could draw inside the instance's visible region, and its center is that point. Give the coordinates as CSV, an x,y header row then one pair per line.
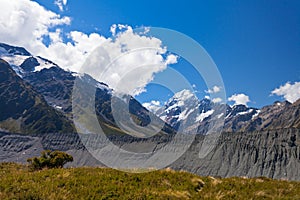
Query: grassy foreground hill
x,y
18,182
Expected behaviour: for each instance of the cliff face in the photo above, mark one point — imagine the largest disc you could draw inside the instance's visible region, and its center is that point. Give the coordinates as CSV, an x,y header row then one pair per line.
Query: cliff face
x,y
272,153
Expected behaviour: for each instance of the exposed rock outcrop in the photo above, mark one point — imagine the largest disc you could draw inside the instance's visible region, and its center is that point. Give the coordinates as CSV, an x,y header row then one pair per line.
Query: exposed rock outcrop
x,y
271,153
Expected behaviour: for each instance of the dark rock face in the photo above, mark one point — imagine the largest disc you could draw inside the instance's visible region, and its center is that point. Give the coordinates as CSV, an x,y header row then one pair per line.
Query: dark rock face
x,y
15,50
273,153
29,64
12,94
24,110
238,117
55,85
276,116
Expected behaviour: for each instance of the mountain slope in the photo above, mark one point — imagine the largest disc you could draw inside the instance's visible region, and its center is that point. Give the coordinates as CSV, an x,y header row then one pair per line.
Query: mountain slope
x,y
6,49
276,116
56,86
23,109
237,118
272,153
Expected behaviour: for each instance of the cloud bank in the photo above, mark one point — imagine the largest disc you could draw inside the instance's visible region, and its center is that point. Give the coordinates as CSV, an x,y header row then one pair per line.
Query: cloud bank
x,y
239,99
24,22
134,57
289,91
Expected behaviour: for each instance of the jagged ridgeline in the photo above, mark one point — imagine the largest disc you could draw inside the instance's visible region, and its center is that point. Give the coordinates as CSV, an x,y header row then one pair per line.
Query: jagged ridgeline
x,y
36,99
23,110
53,87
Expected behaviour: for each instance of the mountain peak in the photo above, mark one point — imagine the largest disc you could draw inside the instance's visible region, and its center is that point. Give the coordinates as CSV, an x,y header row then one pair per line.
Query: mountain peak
x,y
183,98
11,50
29,64
297,103
281,103
239,107
183,94
22,61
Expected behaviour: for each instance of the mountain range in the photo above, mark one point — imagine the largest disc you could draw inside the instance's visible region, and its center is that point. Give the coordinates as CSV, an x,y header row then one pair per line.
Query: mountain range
x,y
236,118
55,86
36,100
52,84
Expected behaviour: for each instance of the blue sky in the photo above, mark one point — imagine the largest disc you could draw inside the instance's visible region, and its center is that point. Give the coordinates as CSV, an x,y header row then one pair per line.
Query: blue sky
x,y
255,44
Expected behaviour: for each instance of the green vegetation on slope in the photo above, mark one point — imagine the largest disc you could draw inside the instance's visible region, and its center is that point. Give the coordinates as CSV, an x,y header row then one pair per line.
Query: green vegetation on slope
x,y
18,182
23,110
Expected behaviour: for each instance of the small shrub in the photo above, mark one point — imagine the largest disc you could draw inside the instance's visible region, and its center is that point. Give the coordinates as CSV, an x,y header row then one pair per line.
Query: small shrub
x,y
49,159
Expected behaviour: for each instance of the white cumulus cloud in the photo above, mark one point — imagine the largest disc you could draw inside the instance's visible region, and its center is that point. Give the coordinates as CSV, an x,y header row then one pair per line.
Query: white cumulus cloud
x,y
60,4
171,59
129,61
290,91
217,100
25,22
134,58
213,90
239,99
152,106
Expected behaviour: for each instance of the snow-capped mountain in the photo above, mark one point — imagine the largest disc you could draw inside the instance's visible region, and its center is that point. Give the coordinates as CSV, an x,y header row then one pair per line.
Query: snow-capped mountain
x,y
184,107
22,61
35,98
276,116
238,116
56,86
186,113
183,112
181,107
54,83
222,117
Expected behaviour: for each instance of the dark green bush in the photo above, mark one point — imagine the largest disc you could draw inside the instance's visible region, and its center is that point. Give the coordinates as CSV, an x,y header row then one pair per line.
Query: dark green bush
x,y
49,159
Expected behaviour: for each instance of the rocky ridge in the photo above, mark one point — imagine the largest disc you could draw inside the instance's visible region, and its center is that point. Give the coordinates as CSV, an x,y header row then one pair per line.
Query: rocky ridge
x,y
36,93
270,153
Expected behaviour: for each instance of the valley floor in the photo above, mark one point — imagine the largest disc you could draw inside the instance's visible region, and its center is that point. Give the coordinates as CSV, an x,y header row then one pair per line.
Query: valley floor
x,y
18,182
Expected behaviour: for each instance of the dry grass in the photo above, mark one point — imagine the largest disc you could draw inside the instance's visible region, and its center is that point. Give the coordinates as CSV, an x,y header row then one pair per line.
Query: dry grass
x,y
17,182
